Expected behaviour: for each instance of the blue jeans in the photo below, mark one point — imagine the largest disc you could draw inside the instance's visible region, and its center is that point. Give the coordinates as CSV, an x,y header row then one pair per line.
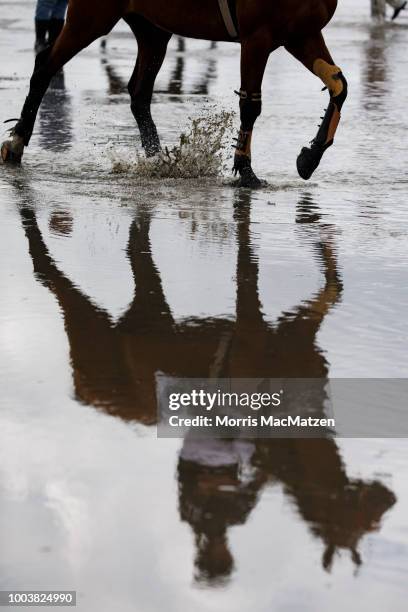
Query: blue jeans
x,y
51,9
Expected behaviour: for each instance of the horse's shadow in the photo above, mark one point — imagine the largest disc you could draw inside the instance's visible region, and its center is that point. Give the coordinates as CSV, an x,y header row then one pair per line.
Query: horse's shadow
x,y
114,368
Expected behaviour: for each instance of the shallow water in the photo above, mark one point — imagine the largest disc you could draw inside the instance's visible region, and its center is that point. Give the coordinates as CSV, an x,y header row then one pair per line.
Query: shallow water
x,y
107,280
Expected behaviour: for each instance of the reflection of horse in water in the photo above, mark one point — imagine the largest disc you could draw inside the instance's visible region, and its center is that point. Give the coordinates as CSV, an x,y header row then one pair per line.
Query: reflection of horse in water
x,y
55,116
221,481
261,27
114,368
175,87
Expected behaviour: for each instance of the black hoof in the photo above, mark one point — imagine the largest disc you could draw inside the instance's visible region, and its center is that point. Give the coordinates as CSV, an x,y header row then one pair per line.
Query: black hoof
x,y
308,161
247,177
151,152
150,140
8,156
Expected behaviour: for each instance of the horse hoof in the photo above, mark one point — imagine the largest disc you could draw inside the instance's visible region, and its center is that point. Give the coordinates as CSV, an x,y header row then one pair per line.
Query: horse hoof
x,y
249,179
11,153
152,152
308,161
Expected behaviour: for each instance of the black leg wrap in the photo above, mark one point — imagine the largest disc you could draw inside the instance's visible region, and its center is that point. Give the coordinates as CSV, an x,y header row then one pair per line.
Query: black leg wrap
x,y
310,157
38,86
250,109
148,132
341,98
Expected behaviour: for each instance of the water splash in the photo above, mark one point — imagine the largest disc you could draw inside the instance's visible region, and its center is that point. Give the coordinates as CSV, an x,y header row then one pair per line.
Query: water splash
x,y
200,152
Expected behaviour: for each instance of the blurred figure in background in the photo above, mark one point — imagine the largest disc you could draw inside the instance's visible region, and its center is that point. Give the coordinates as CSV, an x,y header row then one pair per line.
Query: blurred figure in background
x,y
49,21
398,6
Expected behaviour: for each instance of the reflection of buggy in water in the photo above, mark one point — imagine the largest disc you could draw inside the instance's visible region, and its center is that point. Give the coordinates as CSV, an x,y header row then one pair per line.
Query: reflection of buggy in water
x,y
115,365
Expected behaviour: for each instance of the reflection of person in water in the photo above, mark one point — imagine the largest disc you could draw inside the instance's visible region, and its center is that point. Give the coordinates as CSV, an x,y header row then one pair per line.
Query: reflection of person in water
x,y
220,480
115,365
213,498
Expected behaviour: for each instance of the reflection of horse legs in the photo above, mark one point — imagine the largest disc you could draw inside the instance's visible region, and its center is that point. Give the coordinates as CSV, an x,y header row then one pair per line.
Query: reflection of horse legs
x,y
255,51
313,53
82,27
149,308
152,46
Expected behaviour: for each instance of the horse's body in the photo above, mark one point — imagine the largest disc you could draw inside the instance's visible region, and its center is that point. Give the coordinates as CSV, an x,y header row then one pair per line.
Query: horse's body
x,y
263,25
202,19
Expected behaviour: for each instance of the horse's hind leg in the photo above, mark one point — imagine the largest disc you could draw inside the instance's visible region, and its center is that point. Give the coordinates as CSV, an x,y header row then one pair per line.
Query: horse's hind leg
x,y
255,51
313,53
152,46
80,30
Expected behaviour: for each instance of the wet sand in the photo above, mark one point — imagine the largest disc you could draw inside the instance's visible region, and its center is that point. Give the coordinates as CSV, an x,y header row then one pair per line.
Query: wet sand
x,y
108,280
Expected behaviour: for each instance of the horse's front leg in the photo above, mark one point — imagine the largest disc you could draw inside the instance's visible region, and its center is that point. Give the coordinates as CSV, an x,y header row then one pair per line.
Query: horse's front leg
x,y
82,27
152,46
313,53
255,51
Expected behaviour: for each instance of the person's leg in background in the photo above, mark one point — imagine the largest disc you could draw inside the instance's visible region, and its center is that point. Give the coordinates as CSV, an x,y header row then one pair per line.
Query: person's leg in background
x,y
57,20
42,20
398,6
49,21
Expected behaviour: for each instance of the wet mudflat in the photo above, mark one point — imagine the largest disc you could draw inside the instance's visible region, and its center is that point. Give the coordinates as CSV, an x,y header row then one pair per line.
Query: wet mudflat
x,y
109,279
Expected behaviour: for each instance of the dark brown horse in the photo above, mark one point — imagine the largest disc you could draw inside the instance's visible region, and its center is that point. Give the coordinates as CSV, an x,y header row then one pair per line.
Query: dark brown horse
x,y
262,27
